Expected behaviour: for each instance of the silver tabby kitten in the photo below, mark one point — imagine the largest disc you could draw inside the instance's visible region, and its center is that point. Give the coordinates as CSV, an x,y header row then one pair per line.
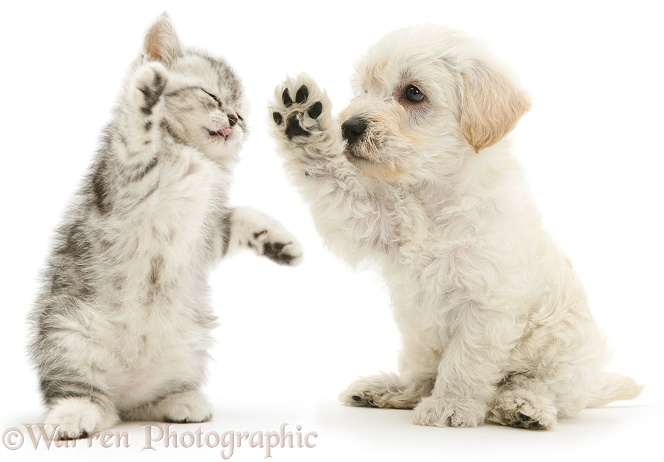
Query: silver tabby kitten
x,y
122,326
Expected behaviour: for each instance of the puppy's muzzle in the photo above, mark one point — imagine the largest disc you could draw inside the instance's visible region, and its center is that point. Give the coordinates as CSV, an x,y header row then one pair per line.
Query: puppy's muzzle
x,y
352,129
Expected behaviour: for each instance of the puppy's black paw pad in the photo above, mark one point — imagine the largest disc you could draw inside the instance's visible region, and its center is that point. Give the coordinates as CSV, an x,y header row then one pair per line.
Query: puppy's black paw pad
x,y
363,399
297,111
302,94
293,128
286,98
525,421
315,110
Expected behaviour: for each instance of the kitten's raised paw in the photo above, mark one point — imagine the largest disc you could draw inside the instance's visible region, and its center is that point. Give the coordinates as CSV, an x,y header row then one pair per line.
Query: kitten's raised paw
x,y
300,111
150,80
278,245
264,235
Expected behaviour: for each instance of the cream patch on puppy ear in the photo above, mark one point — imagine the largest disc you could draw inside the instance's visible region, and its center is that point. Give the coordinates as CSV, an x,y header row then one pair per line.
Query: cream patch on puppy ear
x,y
161,42
492,105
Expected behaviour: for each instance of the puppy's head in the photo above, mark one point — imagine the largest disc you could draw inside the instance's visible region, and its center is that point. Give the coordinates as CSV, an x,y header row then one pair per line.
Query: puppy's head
x,y
425,97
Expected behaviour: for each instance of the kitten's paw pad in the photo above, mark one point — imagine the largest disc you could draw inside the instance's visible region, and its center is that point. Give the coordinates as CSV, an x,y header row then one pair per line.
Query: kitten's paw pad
x,y
283,253
188,407
300,117
436,412
279,246
523,410
150,80
75,418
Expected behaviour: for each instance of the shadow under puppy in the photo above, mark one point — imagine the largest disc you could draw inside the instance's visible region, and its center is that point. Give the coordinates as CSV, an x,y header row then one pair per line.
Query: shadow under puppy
x,y
419,178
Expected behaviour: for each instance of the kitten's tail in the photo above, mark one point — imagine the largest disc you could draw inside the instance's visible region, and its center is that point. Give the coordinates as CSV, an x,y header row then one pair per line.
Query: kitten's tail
x,y
613,387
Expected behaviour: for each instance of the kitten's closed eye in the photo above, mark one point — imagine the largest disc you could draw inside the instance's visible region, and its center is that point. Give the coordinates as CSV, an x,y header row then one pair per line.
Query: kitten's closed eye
x,y
214,97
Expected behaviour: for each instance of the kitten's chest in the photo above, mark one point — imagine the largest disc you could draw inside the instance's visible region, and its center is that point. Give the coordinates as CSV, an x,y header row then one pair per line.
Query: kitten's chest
x,y
189,195
159,251
184,202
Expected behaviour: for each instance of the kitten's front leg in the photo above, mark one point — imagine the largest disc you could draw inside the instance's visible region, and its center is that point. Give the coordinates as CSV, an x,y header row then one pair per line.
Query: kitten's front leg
x,y
253,229
140,116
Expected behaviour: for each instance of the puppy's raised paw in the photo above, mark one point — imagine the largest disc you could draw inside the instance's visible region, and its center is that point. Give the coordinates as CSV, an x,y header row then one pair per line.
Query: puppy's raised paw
x,y
300,112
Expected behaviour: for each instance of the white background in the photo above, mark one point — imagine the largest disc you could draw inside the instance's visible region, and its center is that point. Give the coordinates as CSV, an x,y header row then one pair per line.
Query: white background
x,y
291,339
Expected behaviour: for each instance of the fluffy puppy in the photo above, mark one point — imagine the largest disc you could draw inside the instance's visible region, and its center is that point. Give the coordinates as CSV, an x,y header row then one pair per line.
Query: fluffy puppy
x,y
417,176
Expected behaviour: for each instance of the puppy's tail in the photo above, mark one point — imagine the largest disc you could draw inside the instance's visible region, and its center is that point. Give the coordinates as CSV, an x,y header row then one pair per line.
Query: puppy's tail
x,y
613,387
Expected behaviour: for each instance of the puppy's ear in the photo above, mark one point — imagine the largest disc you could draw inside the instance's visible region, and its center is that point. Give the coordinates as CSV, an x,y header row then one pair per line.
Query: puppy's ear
x,y
492,105
161,42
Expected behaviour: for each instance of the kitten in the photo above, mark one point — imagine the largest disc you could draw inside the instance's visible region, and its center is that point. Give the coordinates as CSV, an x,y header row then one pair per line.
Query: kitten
x,y
122,325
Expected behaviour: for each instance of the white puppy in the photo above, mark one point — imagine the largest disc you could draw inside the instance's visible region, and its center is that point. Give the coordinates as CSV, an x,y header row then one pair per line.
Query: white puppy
x,y
418,177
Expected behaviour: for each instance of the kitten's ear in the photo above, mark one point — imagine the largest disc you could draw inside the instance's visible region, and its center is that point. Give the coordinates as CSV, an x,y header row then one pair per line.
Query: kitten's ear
x,y
492,105
161,42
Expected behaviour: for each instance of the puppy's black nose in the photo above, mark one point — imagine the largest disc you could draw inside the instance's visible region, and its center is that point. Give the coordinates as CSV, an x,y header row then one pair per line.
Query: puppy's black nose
x,y
353,128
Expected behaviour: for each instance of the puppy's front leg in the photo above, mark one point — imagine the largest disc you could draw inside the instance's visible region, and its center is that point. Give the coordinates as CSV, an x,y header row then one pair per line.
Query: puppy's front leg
x,y
470,369
350,214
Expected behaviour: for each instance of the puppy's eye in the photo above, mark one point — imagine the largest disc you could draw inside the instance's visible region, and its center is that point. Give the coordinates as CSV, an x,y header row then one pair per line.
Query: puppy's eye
x,y
413,94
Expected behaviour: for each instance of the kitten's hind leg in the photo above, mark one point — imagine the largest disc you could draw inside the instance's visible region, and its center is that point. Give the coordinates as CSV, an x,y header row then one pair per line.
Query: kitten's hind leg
x,y
78,417
183,407
266,236
72,381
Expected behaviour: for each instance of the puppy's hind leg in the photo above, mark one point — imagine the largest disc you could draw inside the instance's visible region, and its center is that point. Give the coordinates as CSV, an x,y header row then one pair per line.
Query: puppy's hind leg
x,y
524,402
386,390
416,379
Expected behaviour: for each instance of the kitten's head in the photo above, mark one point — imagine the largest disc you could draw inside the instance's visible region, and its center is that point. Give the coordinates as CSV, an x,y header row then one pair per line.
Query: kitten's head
x,y
204,103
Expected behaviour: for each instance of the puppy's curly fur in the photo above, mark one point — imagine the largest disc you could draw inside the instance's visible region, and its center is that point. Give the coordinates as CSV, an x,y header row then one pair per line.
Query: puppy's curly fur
x,y
417,176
